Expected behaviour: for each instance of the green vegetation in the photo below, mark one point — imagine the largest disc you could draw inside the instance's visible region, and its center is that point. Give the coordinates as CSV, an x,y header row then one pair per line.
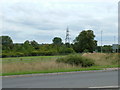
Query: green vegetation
x,y
57,41
31,57
105,49
85,42
6,42
48,64
32,48
76,59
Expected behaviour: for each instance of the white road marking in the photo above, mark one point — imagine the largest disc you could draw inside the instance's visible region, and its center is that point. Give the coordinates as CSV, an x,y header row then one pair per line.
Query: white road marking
x,y
105,87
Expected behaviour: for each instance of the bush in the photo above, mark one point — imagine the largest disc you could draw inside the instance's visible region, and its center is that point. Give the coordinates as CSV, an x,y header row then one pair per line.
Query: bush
x,y
19,54
12,54
34,53
76,60
86,51
66,51
4,55
46,53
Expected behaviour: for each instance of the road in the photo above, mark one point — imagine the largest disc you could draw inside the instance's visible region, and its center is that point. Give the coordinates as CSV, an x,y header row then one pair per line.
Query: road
x,y
73,80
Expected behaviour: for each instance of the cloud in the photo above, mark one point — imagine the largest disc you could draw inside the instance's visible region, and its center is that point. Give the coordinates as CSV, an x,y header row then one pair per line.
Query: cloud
x,y
43,20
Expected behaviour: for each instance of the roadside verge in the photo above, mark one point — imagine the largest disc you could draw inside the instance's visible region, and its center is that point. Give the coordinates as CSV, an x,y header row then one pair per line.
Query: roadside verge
x,y
60,73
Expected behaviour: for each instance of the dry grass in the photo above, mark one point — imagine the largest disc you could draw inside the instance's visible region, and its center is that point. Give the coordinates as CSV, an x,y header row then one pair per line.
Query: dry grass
x,y
103,58
34,66
41,65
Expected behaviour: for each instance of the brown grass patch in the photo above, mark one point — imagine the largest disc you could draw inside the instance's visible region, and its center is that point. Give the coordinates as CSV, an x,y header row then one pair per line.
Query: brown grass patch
x,y
34,66
103,58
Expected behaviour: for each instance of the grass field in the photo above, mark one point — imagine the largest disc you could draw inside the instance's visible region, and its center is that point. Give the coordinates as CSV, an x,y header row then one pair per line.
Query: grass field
x,y
48,64
29,59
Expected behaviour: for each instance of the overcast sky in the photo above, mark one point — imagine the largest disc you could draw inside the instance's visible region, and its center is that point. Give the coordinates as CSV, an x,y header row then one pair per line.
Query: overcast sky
x,y
42,20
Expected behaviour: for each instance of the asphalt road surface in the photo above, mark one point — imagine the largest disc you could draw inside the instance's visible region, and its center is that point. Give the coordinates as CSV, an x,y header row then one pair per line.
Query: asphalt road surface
x,y
73,80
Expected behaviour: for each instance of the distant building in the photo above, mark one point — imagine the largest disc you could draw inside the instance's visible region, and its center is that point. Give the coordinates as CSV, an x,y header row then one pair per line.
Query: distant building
x,y
115,47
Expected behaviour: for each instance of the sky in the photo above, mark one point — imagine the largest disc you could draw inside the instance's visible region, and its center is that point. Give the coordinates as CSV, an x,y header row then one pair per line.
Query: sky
x,y
42,20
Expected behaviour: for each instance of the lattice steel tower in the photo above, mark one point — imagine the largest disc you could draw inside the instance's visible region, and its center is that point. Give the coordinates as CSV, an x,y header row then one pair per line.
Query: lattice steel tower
x,y
67,39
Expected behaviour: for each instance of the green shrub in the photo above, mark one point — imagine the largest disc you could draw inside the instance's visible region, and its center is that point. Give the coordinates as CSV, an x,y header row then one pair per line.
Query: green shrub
x,y
4,55
19,54
12,54
34,53
47,53
86,50
66,50
76,60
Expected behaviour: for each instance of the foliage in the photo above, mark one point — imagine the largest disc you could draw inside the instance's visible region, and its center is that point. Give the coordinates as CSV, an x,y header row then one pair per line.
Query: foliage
x,y
85,41
107,48
86,50
66,50
32,48
35,44
47,64
27,47
6,42
43,53
98,49
76,60
57,41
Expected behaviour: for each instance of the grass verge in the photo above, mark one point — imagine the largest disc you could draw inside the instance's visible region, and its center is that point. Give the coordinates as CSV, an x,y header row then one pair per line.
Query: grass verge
x,y
50,71
107,66
61,70
47,64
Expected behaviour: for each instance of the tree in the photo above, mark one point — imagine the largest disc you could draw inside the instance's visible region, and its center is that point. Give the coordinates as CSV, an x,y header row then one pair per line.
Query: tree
x,y
17,47
107,48
85,42
27,47
35,44
6,42
57,41
98,48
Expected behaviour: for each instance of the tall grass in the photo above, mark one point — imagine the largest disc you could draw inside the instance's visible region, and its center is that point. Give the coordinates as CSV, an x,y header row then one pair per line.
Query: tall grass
x,y
40,64
103,58
34,66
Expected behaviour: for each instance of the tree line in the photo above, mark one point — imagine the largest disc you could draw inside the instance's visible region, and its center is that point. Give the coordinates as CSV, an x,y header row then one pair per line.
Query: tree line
x,y
84,42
